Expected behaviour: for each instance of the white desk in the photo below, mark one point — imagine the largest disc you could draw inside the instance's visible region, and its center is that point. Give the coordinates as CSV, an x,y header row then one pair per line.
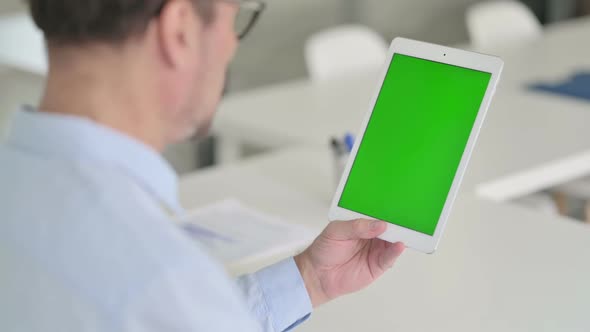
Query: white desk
x,y
524,129
484,278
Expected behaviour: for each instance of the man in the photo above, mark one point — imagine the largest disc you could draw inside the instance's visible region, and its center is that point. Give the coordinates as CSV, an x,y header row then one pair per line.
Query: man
x,y
86,242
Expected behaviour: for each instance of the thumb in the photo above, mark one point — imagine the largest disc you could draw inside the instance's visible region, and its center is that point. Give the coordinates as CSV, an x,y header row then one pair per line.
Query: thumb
x,y
354,230
390,254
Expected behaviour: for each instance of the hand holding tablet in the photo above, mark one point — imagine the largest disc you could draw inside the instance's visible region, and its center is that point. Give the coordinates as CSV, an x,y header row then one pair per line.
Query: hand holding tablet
x,y
412,152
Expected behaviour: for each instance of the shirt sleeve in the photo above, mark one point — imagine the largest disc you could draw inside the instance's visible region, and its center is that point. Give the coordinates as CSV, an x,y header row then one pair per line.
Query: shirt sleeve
x,y
277,296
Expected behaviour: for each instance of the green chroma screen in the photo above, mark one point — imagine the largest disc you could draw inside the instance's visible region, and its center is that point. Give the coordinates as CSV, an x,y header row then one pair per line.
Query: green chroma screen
x,y
414,142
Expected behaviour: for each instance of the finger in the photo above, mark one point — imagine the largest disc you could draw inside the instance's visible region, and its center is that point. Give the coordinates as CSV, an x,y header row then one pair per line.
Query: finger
x,y
354,230
390,254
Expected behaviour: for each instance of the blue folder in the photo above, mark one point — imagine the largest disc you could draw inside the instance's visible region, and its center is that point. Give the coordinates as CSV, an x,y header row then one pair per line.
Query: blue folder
x,y
578,86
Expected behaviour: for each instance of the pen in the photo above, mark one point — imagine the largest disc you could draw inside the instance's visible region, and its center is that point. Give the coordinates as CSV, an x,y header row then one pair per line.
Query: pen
x,y
349,141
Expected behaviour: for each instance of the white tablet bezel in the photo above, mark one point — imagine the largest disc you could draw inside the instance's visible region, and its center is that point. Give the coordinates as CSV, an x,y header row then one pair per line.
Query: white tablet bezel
x,y
486,63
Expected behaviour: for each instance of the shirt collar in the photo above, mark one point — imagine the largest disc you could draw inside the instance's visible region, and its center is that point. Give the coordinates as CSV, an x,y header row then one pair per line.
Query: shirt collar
x,y
77,138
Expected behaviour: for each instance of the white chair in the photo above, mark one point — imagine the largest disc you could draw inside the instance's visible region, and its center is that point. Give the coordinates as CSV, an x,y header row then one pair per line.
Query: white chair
x,y
344,50
577,189
500,24
21,44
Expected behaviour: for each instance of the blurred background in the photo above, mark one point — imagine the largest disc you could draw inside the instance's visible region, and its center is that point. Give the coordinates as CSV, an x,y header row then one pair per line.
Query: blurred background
x,y
275,51
516,254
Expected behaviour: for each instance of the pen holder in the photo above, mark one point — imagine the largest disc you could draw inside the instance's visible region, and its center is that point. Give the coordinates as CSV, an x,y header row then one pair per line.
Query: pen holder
x,y
341,149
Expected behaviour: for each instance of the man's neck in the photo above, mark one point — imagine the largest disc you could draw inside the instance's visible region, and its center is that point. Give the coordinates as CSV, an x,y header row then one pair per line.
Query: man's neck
x,y
107,91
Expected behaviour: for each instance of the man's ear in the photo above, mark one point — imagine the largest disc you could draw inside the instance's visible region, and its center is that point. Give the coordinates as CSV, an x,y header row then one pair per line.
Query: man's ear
x,y
178,32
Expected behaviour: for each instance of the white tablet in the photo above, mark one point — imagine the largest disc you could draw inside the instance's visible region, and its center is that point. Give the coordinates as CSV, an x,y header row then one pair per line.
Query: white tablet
x,y
412,151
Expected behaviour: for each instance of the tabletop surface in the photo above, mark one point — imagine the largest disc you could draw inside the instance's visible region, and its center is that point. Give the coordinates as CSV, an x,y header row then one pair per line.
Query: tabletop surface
x,y
499,267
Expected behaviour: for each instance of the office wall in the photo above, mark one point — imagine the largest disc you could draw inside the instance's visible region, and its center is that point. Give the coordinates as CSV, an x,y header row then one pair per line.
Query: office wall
x,y
11,5
16,88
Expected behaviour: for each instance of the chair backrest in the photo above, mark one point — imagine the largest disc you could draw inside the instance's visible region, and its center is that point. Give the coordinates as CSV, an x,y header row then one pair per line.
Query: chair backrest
x,y
344,50
22,44
500,24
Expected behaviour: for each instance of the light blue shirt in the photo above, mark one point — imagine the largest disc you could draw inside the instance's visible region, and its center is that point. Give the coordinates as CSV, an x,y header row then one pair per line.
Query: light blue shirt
x,y
87,242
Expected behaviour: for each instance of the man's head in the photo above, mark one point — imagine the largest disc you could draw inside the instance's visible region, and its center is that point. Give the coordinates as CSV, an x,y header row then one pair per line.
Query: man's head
x,y
177,50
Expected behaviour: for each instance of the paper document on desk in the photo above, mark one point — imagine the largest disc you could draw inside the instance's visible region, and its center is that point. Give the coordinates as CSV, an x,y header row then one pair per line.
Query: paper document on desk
x,y
237,234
